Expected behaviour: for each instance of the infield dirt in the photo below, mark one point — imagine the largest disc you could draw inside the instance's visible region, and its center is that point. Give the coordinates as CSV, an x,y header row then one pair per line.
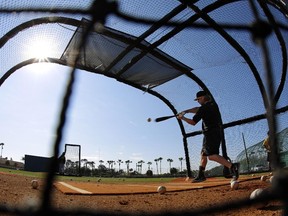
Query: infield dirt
x,y
17,191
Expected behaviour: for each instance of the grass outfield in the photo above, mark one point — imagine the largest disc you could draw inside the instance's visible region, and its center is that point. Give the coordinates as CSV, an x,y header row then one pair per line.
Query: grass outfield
x,y
23,173
121,180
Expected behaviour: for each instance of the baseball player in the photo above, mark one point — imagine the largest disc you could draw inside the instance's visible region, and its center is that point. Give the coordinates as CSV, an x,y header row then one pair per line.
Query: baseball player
x,y
209,113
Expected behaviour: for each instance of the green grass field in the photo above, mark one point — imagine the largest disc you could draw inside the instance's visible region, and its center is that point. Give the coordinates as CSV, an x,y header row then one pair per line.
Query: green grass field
x,y
41,175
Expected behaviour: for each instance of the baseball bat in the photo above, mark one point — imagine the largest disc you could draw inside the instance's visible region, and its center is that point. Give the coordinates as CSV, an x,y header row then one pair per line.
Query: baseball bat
x,y
164,118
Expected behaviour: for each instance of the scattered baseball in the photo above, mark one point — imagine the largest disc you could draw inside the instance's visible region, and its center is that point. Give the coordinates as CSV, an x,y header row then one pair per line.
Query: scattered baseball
x,y
161,189
256,193
263,178
234,184
271,179
149,120
34,184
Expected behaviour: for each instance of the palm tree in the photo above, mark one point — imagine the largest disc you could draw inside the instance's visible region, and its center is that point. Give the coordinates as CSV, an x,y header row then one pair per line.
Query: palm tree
x,y
140,165
92,163
77,165
113,163
170,161
160,159
128,164
156,160
110,163
83,161
181,159
119,161
69,163
149,165
86,163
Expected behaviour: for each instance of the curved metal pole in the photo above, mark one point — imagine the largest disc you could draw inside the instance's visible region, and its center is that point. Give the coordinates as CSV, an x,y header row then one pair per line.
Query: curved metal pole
x,y
283,50
44,20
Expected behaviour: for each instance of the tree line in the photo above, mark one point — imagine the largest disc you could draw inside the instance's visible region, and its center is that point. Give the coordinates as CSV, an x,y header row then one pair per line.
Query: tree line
x,y
121,167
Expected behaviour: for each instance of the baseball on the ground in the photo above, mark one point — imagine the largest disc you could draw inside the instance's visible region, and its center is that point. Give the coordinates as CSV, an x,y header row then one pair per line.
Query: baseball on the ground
x,y
34,184
263,178
161,189
271,179
234,185
255,194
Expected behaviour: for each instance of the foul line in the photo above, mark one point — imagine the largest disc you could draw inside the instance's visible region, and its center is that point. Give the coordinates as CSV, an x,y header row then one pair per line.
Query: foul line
x,y
75,188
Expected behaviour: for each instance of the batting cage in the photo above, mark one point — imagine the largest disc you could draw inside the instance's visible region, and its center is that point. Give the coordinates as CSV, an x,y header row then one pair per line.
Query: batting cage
x,y
236,51
72,159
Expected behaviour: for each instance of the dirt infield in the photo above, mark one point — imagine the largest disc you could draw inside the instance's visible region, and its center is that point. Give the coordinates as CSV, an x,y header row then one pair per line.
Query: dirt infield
x,y
16,191
98,188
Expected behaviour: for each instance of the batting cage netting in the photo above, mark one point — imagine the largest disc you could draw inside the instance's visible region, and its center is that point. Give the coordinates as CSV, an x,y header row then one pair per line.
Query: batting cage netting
x,y
169,49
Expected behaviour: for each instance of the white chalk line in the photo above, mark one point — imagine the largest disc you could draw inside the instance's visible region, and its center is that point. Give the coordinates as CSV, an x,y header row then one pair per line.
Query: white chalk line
x,y
75,188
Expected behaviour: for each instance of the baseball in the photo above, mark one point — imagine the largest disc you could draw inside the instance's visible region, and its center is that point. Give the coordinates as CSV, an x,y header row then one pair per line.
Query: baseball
x,y
255,194
271,179
161,189
263,178
234,185
34,184
149,120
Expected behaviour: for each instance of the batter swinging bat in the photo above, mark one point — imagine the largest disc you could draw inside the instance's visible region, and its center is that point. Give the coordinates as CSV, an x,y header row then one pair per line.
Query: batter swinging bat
x,y
167,117
163,118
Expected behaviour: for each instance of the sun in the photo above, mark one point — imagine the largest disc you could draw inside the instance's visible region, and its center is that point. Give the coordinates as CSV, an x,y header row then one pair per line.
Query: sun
x,y
40,49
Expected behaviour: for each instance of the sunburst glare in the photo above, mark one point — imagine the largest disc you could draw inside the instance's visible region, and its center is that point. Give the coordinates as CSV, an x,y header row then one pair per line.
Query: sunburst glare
x,y
40,49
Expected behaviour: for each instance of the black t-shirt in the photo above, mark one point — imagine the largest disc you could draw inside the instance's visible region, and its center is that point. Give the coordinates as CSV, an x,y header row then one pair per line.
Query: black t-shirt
x,y
210,115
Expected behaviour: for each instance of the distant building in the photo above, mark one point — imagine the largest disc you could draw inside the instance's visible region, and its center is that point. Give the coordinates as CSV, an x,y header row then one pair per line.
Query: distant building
x,y
36,163
4,162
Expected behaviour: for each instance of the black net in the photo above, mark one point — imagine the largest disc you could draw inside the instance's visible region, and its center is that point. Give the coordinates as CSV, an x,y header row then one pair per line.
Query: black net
x,y
236,50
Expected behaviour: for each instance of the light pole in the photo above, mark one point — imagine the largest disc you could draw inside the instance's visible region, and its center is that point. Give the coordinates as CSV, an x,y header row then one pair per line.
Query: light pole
x,y
248,162
1,144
